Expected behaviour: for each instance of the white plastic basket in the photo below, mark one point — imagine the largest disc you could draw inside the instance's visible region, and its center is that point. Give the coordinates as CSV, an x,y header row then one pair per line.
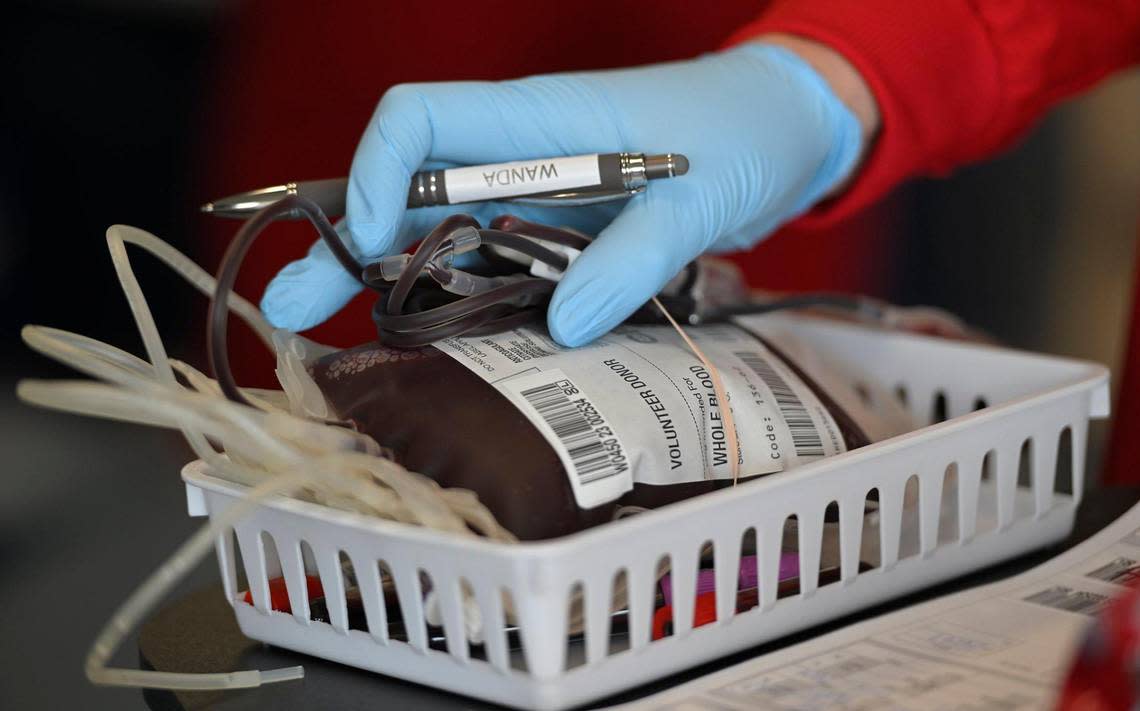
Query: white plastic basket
x,y
1033,404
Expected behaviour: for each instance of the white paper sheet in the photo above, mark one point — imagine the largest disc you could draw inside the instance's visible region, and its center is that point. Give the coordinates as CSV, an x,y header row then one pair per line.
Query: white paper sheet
x,y
1004,646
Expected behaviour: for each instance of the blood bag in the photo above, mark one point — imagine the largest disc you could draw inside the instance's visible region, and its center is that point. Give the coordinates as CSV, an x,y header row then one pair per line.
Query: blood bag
x,y
555,440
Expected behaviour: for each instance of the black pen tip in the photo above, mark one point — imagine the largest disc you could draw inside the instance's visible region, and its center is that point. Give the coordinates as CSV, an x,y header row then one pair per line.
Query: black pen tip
x,y
680,164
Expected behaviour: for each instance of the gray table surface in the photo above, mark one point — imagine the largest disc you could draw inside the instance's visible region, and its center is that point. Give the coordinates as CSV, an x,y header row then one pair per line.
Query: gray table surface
x,y
198,633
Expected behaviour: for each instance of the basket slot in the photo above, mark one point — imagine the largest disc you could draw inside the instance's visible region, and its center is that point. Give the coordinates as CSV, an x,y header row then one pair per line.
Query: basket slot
x,y
640,594
1063,480
1044,462
948,523
869,543
831,544
969,483
1006,461
939,407
371,596
902,395
910,533
890,523
667,586
851,515
490,599
683,575
1024,467
929,510
272,560
750,566
597,623
620,601
410,594
253,556
308,558
332,582
224,548
810,542
450,602
293,570
987,501
1079,432
726,566
576,602
769,545
516,654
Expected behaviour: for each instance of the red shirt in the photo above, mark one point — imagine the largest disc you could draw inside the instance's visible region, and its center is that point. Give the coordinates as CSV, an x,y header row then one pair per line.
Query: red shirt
x,y
956,81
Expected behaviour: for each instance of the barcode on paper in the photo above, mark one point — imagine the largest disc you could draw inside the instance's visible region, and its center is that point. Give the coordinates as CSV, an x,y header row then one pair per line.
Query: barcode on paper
x,y
586,443
1060,597
805,435
1122,571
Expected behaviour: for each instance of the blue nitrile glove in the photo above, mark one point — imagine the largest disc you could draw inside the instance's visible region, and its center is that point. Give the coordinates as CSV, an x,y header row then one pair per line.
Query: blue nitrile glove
x,y
764,134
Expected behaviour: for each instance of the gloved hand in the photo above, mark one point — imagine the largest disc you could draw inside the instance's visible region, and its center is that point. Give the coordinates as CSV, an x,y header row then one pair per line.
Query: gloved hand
x,y
765,136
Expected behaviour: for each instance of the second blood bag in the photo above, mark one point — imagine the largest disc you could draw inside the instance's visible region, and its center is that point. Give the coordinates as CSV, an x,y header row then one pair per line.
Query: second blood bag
x,y
555,440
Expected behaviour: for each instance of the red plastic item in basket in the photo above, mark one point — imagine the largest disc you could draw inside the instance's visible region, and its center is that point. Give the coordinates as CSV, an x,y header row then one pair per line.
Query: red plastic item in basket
x,y
704,612
279,594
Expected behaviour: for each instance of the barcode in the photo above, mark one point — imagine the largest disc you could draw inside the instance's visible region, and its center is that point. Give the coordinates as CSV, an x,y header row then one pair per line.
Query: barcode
x,y
1121,571
1062,598
805,436
576,424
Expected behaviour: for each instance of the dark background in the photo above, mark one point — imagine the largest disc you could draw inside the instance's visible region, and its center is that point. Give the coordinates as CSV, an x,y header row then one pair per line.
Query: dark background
x,y
106,117
98,125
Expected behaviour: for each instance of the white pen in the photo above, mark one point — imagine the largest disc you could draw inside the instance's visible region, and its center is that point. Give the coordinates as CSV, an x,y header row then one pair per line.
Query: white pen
x,y
570,180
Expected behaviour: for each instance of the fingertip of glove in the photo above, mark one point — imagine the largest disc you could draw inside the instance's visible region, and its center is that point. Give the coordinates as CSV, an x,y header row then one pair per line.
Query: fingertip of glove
x,y
566,334
567,321
371,238
283,309
579,316
305,294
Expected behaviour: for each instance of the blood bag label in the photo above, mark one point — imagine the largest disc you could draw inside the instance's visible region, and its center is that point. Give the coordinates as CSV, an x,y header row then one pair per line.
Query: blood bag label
x,y
584,440
526,177
636,406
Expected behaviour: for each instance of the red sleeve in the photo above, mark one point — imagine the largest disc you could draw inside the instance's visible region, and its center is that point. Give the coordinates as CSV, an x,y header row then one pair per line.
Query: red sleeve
x,y
956,80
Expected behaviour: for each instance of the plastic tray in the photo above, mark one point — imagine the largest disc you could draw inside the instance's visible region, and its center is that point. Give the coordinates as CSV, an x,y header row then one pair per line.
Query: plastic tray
x,y
987,489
